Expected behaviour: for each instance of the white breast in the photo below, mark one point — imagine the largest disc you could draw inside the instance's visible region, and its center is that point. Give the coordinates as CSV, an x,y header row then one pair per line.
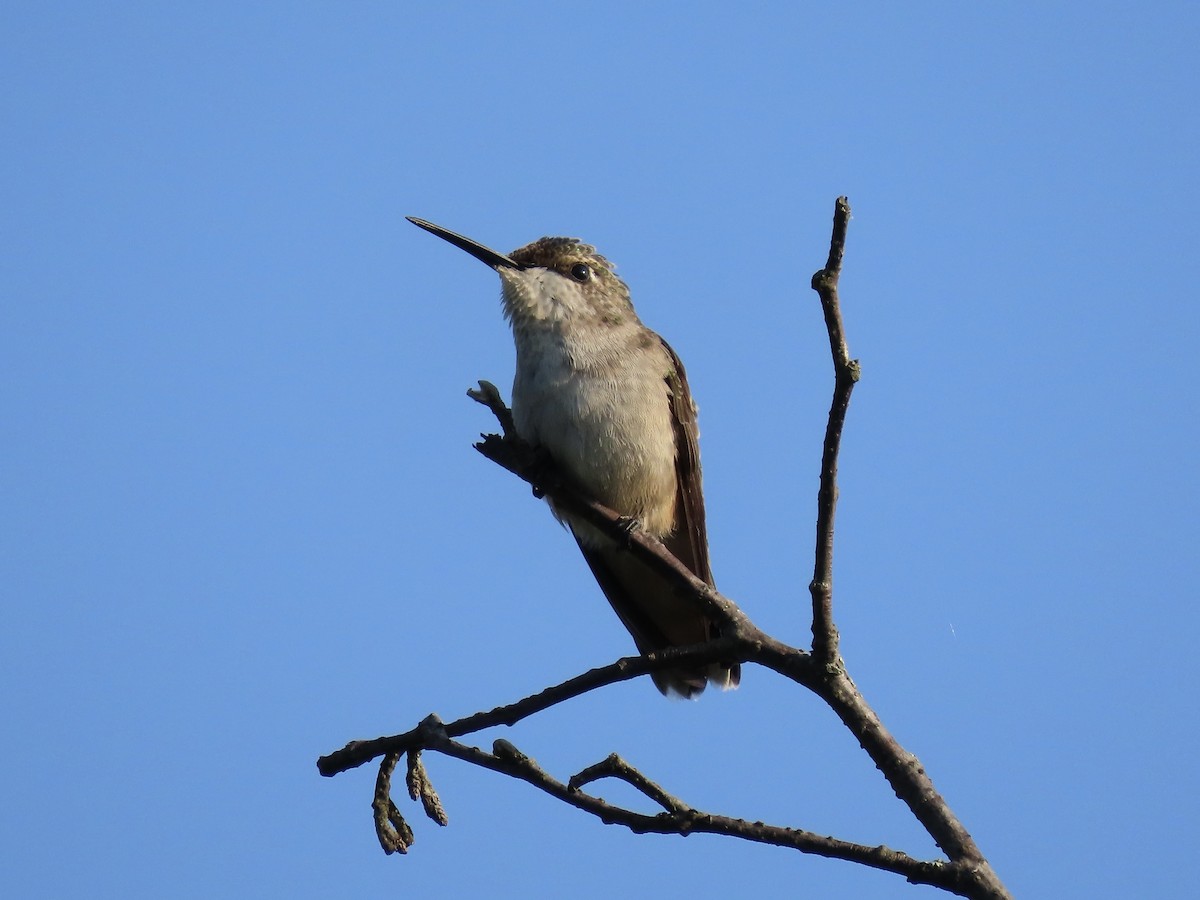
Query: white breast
x,y
600,406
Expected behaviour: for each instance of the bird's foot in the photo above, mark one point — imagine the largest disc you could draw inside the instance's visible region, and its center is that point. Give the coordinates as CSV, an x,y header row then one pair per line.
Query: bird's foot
x,y
629,525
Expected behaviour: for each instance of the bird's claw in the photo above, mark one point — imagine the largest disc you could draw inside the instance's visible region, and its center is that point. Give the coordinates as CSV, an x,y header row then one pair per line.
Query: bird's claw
x,y
629,525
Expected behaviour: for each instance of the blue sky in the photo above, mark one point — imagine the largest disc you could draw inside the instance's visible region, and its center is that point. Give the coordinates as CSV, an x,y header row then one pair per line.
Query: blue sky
x,y
242,522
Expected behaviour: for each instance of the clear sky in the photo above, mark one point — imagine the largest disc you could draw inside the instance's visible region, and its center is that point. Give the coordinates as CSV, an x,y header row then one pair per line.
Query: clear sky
x,y
241,522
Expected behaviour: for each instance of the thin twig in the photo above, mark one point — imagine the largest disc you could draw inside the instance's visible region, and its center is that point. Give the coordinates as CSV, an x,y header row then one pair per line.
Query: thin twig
x,y
846,373
356,753
613,766
526,463
508,760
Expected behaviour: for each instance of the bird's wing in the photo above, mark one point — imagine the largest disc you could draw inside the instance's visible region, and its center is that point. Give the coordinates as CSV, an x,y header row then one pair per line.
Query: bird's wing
x,y
689,541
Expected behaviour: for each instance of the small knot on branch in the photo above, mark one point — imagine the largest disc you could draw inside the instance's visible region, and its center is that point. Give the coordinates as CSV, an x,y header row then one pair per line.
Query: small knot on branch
x,y
432,730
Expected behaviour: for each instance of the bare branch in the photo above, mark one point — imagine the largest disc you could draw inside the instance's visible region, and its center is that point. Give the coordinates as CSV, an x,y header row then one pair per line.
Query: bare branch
x,y
526,463
846,374
356,753
612,766
508,760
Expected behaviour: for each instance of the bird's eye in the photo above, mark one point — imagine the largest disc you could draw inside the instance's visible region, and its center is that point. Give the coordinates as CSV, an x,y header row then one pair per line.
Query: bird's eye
x,y
581,272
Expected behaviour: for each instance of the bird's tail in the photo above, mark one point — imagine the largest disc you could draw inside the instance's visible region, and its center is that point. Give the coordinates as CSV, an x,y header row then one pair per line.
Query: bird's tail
x,y
658,618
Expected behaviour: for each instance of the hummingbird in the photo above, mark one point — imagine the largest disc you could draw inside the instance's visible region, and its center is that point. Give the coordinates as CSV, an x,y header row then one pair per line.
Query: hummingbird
x,y
608,400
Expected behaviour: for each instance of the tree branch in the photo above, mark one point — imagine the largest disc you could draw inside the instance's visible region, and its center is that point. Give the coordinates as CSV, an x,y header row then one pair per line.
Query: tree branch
x,y
846,373
356,753
967,872
612,766
678,818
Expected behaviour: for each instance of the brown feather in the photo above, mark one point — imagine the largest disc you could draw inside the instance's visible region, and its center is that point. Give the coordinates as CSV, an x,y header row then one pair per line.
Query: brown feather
x,y
689,541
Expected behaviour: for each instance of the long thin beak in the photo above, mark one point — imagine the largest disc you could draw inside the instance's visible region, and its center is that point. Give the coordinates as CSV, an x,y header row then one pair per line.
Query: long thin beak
x,y
484,254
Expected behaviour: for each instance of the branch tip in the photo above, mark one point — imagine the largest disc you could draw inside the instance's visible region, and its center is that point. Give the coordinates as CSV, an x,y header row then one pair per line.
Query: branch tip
x,y
489,395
